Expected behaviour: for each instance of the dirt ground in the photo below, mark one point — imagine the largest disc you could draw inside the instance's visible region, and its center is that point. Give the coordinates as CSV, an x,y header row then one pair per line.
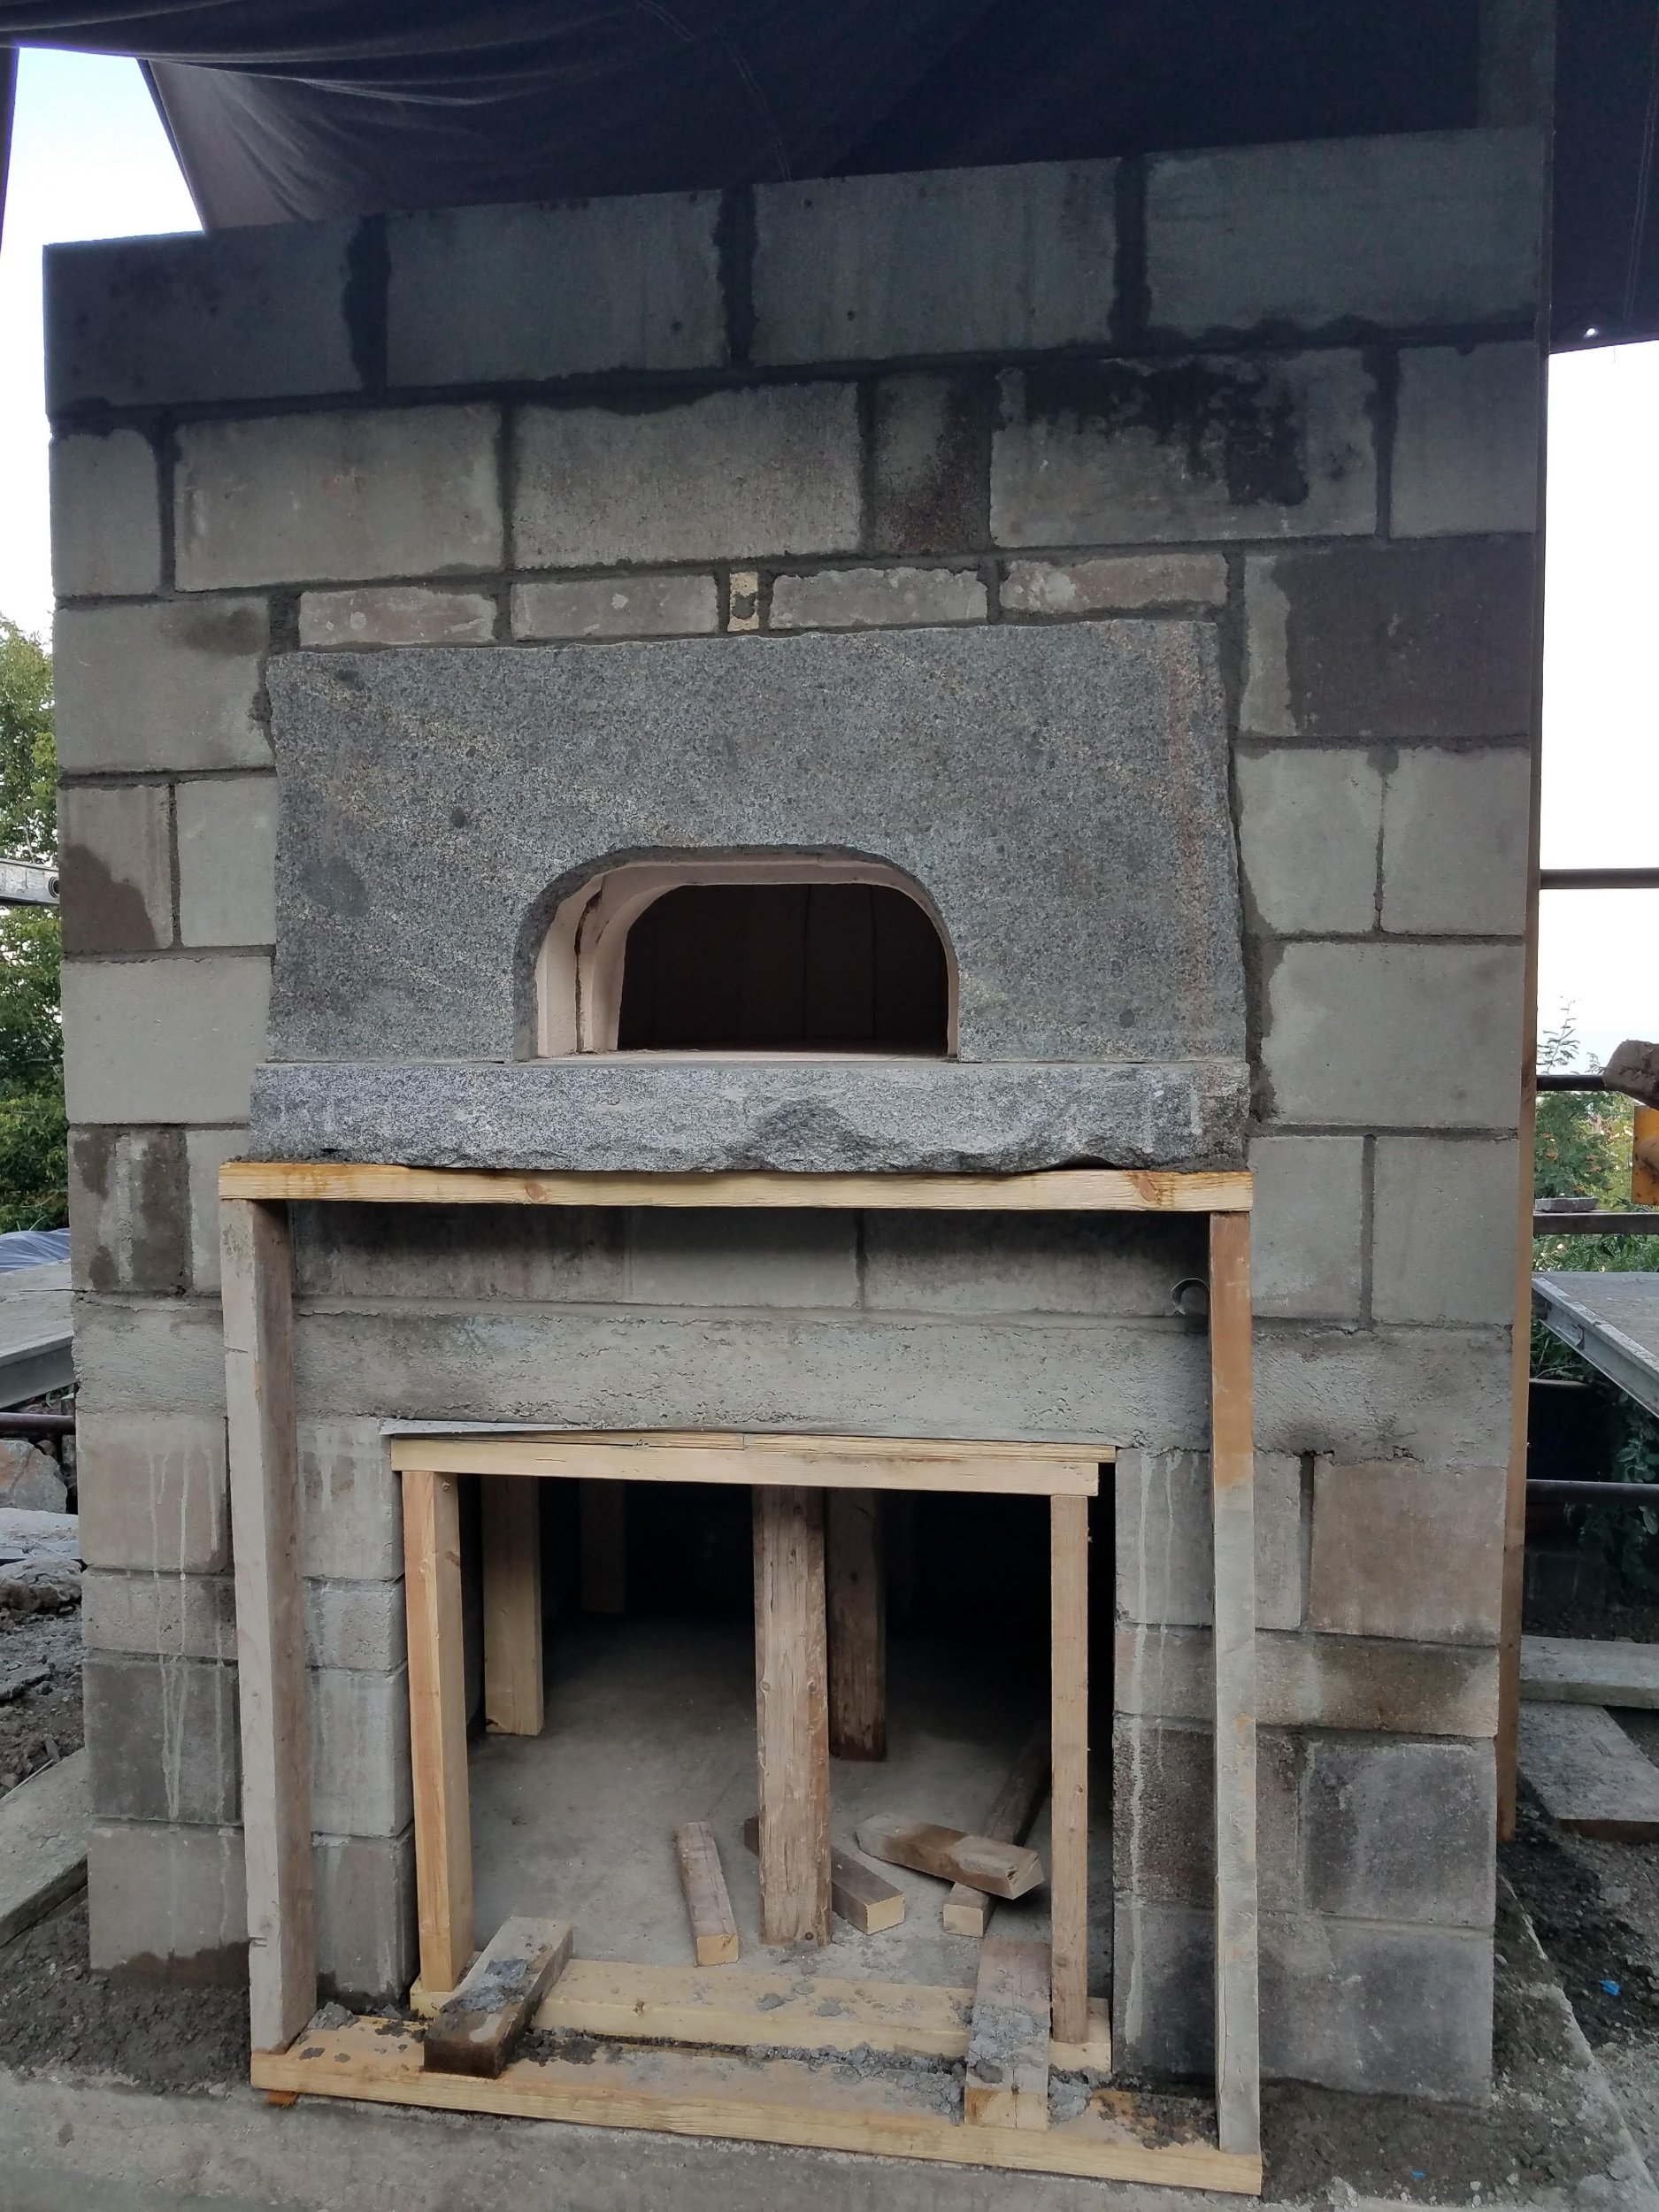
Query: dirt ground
x,y
40,1692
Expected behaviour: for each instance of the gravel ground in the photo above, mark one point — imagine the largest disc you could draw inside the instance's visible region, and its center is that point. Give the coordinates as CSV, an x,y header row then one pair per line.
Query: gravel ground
x,y
40,1692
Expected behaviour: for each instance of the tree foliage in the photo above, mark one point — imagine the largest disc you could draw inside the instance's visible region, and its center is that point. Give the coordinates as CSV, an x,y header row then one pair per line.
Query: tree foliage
x,y
34,1137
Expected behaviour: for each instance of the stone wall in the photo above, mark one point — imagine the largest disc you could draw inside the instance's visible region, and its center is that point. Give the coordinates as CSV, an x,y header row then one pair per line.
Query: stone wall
x,y
1291,392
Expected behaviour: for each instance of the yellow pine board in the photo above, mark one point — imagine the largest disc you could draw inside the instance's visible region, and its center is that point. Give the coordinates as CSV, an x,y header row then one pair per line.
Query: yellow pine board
x,y
691,2004
653,1460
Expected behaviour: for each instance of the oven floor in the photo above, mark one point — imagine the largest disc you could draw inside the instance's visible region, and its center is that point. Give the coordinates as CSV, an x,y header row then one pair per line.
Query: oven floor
x,y
651,1722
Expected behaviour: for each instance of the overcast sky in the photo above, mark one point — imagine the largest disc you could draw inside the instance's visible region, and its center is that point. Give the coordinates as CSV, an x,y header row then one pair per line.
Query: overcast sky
x,y
89,160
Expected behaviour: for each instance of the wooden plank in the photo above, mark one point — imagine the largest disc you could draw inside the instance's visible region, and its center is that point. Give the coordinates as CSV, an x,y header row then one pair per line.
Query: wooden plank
x,y
1059,1190
602,1509
437,1727
257,1279
1578,1671
791,1722
475,2029
512,1526
653,1459
1233,1504
43,1822
1590,1775
857,1628
1008,1820
1068,1721
951,1854
858,1894
738,2008
1006,2082
708,1907
412,1441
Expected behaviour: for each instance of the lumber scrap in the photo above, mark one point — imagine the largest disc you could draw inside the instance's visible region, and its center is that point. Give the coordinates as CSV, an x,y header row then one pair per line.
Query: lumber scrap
x,y
952,1855
862,1898
1584,1670
708,1906
1633,1067
1006,2084
475,2028
1589,1775
1008,1820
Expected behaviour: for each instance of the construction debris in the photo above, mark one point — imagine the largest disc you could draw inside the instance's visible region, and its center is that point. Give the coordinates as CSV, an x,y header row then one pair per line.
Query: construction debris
x,y
1002,1869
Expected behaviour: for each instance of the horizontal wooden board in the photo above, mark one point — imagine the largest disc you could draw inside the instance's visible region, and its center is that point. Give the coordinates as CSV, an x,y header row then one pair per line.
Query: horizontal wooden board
x,y
786,1461
739,2010
403,1435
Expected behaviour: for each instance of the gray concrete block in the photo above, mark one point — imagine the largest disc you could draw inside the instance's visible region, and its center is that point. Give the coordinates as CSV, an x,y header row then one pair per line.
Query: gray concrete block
x,y
1444,1230
994,260
367,1952
360,1762
804,1259
1374,1034
106,515
1164,1824
877,598
162,1734
160,1616
239,314
1114,583
163,1040
1385,233
206,1151
396,614
1466,451
930,440
115,867
1314,1682
1440,1394
1059,1263
1455,842
226,830
519,294
152,1355
153,1493
1400,1551
404,491
173,684
1307,1227
1424,639
356,1626
1116,451
128,1228
1309,838
616,606
774,469
1400,1830
485,1252
351,1521
1166,1547
169,1903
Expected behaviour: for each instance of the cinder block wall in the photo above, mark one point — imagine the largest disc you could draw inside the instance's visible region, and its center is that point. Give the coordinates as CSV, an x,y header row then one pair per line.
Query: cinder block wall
x,y
1292,389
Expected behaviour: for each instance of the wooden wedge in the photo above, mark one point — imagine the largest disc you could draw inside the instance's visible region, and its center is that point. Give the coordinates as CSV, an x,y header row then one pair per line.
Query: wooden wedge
x,y
708,1907
1001,1870
858,1894
475,2028
1006,2084
1013,1811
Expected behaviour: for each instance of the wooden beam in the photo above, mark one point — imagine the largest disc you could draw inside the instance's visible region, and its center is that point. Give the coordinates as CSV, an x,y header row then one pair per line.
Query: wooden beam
x,y
437,1727
950,1854
1068,1721
860,1896
1006,2081
792,1717
1008,1820
601,1511
856,1608
475,2029
735,2007
511,1524
708,1907
257,1276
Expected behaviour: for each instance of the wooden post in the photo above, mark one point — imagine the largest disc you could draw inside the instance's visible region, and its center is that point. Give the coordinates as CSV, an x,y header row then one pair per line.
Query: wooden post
x,y
1233,1503
602,1511
512,1603
1068,1885
437,1729
256,1273
858,1626
792,1723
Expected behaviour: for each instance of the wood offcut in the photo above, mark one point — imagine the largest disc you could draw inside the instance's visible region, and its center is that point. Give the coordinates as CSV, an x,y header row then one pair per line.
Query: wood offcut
x,y
475,2028
1006,2082
1008,1820
858,1894
951,1854
708,1907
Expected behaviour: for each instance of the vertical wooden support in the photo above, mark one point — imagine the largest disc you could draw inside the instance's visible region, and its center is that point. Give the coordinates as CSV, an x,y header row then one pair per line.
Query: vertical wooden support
x,y
257,1273
437,1729
602,1511
858,1626
1233,1502
1067,1581
511,1523
792,1726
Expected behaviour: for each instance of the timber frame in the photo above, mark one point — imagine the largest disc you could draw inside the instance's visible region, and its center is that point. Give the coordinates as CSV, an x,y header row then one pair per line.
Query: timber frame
x,y
776,2100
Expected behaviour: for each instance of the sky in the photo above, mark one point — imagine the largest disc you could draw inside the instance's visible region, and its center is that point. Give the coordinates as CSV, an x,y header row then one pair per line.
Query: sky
x,y
90,160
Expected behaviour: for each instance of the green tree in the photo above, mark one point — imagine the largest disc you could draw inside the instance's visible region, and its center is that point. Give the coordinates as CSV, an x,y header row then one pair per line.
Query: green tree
x,y
34,1137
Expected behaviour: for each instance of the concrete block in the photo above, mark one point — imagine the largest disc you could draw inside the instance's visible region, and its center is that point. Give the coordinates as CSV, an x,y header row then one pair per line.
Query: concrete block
x,y
1164,1798
172,685
226,832
1119,451
167,1902
360,1764
519,294
1315,1682
206,1151
351,1521
1393,1829
287,498
1466,430
616,606
127,1220
1424,639
771,470
1374,1034
1309,837
877,598
257,313
153,1493
1116,583
396,614
1384,233
742,1259
163,1355
366,1917
158,1615
161,1041
1444,1229
455,1253
1400,1552
1166,1548
115,867
1455,842
931,444
1307,1231
106,516
984,1264
994,260
163,1737
356,1626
